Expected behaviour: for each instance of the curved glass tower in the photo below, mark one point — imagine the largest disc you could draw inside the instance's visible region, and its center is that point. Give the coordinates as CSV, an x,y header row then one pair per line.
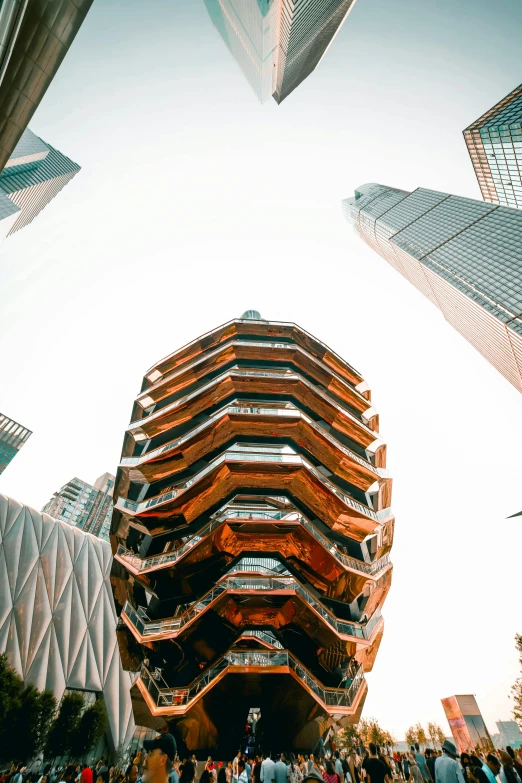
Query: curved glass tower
x,y
252,529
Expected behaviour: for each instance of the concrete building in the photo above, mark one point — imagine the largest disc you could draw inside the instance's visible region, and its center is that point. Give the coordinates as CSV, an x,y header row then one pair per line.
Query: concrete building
x,y
84,506
253,529
12,438
494,143
462,254
57,616
509,733
277,44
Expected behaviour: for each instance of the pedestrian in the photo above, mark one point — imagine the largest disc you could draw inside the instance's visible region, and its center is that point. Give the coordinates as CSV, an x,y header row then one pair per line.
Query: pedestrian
x,y
491,767
516,760
406,765
294,771
267,770
159,759
421,762
353,767
508,773
475,771
430,762
447,769
375,769
329,774
222,774
281,770
69,772
131,773
242,776
415,773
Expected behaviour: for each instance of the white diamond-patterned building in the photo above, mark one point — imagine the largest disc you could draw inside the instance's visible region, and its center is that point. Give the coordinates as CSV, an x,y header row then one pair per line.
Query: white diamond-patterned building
x,y
57,615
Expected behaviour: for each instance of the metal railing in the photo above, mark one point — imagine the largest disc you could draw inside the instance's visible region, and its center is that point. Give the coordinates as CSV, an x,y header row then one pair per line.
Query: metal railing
x,y
164,696
146,627
248,409
172,557
243,456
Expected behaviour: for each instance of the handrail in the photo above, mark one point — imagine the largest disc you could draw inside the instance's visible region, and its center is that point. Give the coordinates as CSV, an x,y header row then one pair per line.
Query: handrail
x,y
248,410
146,627
172,557
244,456
178,697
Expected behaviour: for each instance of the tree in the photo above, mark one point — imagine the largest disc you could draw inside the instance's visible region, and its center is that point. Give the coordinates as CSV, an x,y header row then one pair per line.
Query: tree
x,y
421,737
516,689
370,731
65,724
25,715
11,688
89,729
349,737
411,736
436,735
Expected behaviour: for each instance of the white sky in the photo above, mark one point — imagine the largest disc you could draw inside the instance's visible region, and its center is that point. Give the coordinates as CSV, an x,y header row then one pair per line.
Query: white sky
x,y
195,203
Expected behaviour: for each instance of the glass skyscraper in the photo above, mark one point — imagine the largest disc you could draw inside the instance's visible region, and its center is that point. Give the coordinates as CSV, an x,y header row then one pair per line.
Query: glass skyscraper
x,y
85,506
464,255
494,142
12,438
35,36
31,178
277,44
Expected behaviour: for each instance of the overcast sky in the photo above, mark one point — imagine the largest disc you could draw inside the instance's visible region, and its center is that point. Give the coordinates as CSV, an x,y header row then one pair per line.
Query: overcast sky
x,y
195,203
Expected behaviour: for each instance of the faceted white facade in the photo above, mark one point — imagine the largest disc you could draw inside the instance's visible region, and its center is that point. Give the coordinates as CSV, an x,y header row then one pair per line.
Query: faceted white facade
x,y
57,616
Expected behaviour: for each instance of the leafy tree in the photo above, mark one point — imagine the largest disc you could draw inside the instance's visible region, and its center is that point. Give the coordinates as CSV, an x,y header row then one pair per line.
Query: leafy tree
x,y
25,715
411,736
30,724
516,689
349,737
11,688
89,729
64,726
436,735
370,731
421,737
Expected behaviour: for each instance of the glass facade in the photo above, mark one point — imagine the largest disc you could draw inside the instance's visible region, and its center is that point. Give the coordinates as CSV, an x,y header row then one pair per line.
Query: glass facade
x,y
34,38
494,143
12,438
31,178
277,44
84,506
464,255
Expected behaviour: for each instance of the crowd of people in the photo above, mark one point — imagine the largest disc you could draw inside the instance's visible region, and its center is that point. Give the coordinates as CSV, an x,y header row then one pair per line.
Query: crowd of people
x,y
158,762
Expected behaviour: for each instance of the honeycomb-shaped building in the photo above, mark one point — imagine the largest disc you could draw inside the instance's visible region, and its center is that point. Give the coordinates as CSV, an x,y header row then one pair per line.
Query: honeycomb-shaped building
x,y
252,531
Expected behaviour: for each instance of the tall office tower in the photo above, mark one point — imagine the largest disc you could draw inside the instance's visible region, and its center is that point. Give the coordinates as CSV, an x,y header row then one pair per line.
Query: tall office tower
x,y
12,438
35,36
464,255
467,724
278,43
494,143
31,178
84,506
253,528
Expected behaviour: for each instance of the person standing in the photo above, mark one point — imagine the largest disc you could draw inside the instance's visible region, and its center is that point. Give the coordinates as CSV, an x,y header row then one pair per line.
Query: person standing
x,y
508,773
447,768
241,771
421,763
338,766
376,771
235,767
430,763
131,774
267,770
491,768
159,759
280,769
